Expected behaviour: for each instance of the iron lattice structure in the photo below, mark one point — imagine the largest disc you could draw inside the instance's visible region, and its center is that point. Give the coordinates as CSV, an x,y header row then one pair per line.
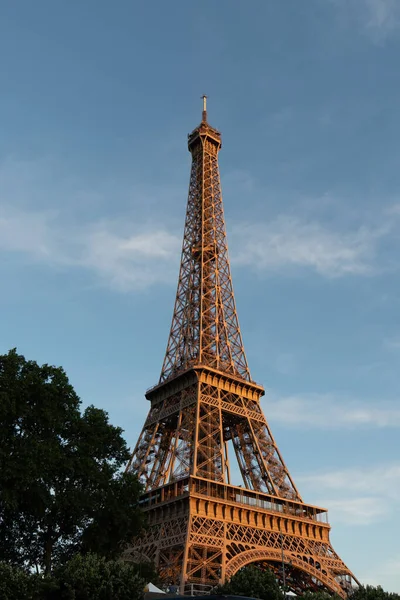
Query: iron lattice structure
x,y
205,409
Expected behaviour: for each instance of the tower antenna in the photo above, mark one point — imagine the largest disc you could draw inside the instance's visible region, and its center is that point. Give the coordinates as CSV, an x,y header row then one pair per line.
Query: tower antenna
x,y
204,115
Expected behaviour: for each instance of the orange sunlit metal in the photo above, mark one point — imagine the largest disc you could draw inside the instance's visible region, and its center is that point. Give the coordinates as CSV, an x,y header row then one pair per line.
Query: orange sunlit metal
x,y
205,416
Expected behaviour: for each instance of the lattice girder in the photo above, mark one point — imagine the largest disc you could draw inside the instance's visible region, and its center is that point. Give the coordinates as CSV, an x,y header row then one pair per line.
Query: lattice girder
x,y
205,327
187,432
221,536
204,416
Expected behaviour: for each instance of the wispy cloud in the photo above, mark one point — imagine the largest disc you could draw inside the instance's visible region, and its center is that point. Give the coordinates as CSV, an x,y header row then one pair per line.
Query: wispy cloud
x,y
49,217
140,249
330,412
292,242
379,19
129,254
123,255
392,343
386,571
26,232
357,495
363,480
394,209
131,260
356,511
382,17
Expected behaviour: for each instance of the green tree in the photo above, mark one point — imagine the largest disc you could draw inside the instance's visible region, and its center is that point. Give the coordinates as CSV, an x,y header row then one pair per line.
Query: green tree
x,y
17,584
254,582
370,592
91,577
61,487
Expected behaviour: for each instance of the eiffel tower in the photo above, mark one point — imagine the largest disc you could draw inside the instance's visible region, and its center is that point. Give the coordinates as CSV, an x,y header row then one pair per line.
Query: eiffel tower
x,y
205,415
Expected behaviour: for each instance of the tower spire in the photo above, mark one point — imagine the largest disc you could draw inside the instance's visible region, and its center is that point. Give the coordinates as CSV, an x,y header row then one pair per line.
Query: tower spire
x,y
205,327
204,115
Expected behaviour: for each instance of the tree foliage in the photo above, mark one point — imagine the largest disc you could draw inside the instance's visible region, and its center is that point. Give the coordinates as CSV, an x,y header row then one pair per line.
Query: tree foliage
x,y
370,592
254,582
15,583
84,577
91,577
61,489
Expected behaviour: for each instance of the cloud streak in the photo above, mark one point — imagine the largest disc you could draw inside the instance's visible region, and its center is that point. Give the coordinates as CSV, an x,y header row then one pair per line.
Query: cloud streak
x,y
356,511
135,252
378,19
392,343
383,571
382,17
25,232
130,261
331,412
363,480
122,255
129,255
290,242
357,496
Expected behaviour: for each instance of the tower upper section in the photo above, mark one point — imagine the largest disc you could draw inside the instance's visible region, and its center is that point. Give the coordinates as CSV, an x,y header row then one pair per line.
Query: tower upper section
x,y
205,327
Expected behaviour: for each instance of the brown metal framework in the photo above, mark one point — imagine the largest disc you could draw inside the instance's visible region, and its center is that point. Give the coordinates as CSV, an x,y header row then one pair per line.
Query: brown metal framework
x,y
205,409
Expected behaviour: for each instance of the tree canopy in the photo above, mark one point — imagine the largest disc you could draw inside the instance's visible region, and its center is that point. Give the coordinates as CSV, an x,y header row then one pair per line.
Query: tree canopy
x,y
254,582
370,592
16,583
61,486
91,577
84,577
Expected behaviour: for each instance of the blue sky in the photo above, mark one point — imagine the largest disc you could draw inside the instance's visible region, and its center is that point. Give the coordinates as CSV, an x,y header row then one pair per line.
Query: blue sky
x,y
96,101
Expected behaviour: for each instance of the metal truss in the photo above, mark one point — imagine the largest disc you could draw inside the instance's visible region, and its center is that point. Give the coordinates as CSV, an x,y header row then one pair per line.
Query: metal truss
x,y
204,415
205,327
187,434
216,529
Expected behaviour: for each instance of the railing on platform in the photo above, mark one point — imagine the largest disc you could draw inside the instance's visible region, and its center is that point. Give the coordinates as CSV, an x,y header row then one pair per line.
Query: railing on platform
x,y
231,494
238,495
197,589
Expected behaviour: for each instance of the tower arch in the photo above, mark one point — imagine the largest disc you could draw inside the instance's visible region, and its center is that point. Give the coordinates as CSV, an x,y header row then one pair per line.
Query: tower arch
x,y
273,559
